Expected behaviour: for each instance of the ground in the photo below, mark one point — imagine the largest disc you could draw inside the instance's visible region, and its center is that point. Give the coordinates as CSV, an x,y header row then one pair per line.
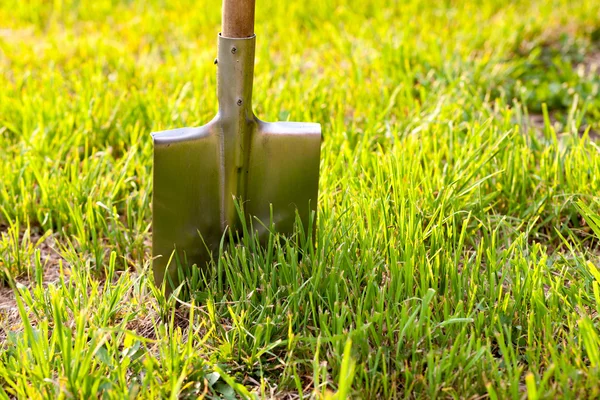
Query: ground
x,y
456,250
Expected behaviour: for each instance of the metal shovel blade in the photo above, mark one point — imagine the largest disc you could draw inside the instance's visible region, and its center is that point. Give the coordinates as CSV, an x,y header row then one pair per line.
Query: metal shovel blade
x,y
199,171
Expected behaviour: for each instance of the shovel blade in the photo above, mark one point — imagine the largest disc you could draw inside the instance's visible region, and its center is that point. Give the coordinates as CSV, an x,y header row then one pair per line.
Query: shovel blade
x,y
191,201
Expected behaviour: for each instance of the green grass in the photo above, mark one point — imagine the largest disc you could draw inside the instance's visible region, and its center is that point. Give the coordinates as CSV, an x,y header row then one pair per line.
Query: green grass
x,y
457,239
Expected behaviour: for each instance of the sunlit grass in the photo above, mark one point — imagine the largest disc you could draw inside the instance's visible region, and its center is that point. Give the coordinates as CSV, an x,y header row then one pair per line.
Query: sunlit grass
x,y
456,249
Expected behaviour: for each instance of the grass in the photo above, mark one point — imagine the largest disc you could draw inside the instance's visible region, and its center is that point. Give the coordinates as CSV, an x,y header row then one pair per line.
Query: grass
x,y
457,237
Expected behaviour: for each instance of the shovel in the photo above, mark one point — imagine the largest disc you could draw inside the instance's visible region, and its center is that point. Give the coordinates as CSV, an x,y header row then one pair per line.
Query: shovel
x,y
272,169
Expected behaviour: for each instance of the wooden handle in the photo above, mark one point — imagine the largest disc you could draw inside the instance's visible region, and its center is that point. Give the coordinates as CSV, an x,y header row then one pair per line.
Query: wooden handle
x,y
238,18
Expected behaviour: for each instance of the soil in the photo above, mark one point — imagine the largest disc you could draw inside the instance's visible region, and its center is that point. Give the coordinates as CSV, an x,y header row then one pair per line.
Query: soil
x,y
591,65
10,321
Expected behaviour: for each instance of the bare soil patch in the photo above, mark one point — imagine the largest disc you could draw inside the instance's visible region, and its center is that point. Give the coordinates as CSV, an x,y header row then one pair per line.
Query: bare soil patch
x,y
590,65
9,314
536,122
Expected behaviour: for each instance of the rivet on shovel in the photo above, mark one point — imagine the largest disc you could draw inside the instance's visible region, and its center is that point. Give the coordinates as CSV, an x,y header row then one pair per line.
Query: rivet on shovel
x,y
199,171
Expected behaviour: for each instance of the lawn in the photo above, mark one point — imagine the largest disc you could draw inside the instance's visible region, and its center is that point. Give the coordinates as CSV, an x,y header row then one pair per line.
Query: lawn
x,y
457,244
